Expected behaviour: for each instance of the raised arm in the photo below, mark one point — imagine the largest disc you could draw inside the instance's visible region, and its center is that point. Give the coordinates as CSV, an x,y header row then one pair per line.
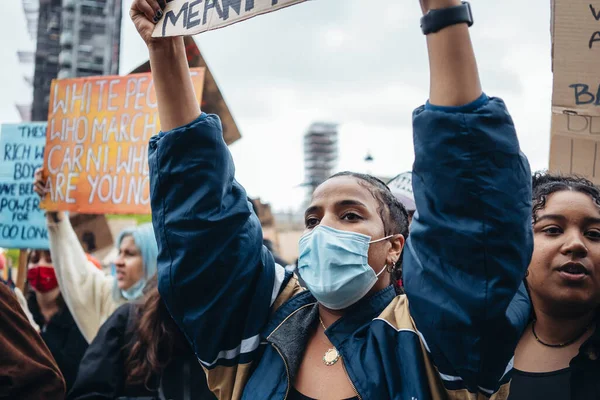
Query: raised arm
x,y
87,291
453,69
216,278
177,105
470,241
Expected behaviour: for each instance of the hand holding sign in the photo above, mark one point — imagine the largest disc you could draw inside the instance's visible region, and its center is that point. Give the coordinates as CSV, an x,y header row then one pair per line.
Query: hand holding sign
x,y
39,187
144,14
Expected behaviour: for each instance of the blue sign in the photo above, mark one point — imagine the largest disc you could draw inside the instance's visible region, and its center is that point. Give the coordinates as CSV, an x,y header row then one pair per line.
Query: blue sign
x,y
22,223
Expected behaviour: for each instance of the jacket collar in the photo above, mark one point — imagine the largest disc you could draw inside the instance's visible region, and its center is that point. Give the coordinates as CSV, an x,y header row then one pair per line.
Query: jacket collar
x,y
359,315
356,315
293,323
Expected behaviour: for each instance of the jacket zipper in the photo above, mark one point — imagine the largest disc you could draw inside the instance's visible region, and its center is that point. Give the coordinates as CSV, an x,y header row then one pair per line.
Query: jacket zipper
x,y
287,371
351,383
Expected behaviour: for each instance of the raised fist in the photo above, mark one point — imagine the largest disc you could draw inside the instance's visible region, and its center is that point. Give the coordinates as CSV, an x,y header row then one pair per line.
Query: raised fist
x,y
145,14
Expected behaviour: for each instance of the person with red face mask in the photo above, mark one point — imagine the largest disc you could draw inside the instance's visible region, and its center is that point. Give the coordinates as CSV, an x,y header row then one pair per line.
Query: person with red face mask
x,y
57,326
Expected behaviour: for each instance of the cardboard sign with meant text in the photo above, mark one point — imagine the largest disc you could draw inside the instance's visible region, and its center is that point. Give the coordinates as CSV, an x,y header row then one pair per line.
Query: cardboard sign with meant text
x,y
575,141
22,223
190,17
96,157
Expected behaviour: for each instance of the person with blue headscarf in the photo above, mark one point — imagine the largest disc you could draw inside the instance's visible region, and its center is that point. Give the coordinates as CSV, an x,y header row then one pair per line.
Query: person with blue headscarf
x,y
136,262
91,295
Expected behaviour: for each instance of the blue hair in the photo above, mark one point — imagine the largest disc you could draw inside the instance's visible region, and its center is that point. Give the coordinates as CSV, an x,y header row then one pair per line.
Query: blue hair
x,y
145,241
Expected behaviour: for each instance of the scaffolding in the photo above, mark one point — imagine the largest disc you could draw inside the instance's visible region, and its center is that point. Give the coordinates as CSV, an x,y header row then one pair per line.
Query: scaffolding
x,y
320,154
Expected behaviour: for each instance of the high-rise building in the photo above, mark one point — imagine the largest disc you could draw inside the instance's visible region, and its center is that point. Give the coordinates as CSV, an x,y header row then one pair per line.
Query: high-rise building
x,y
46,56
320,154
26,56
74,38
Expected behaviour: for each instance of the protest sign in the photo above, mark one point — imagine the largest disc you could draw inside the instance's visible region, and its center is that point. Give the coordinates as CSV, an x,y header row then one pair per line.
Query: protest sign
x,y
190,17
22,223
92,230
401,187
574,146
96,157
212,99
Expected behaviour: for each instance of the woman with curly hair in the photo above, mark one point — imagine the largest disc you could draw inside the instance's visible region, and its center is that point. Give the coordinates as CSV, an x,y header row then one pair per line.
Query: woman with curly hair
x,y
558,355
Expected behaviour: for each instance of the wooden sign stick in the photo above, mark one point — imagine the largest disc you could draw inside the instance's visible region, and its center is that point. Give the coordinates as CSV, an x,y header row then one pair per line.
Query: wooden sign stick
x,y
22,272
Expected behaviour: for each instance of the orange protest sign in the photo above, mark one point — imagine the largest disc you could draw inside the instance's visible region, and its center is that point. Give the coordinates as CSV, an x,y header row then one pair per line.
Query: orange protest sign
x,y
96,155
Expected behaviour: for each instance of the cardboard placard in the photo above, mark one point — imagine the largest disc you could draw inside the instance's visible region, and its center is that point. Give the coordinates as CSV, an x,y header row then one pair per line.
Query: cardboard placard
x,y
96,157
92,231
576,89
190,17
22,223
212,99
401,187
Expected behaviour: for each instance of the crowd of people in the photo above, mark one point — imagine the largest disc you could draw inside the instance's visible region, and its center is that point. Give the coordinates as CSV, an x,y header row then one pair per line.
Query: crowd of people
x,y
482,285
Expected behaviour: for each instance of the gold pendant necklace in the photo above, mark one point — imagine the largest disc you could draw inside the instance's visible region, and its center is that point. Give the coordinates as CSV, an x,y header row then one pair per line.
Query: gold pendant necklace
x,y
332,355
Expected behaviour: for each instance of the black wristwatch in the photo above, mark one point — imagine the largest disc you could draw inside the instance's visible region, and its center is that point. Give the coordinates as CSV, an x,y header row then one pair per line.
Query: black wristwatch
x,y
436,20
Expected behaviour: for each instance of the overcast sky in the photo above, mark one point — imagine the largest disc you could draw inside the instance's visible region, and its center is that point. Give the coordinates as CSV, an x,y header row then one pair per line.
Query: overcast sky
x,y
358,63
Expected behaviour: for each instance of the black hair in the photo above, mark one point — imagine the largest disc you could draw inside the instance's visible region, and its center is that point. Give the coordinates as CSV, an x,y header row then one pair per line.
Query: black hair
x,y
545,184
393,215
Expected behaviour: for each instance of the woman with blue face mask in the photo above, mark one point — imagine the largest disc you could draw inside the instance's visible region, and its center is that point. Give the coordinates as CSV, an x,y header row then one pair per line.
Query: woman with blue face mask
x,y
135,263
91,295
259,335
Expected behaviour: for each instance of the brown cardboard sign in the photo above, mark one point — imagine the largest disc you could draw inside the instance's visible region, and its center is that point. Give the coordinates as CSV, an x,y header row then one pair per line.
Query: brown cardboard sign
x,y
212,99
92,230
576,88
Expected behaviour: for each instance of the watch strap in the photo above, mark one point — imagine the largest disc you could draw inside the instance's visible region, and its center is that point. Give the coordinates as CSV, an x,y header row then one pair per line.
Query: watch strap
x,y
438,19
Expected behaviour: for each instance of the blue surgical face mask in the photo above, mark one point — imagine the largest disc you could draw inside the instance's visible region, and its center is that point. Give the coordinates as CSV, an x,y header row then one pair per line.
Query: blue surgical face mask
x,y
334,265
134,292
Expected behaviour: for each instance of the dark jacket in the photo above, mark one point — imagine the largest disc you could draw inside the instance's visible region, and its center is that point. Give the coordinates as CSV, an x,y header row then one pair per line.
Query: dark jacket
x,y
470,244
27,369
63,338
102,371
585,369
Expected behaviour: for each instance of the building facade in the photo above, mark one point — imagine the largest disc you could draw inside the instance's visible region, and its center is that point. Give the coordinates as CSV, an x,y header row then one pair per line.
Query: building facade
x,y
75,38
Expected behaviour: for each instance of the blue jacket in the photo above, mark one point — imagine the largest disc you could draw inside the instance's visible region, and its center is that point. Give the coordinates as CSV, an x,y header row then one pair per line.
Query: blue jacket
x,y
454,332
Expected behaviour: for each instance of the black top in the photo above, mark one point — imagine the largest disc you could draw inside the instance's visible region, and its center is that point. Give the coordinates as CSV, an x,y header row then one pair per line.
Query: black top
x,y
102,370
554,385
582,381
296,395
63,338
